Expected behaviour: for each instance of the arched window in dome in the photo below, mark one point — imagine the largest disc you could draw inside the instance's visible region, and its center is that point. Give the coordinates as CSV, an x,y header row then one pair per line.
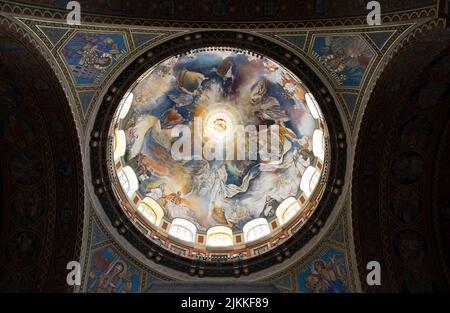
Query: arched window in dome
x,y
219,236
128,180
147,212
287,210
256,229
120,144
313,106
183,229
309,181
151,211
318,144
125,105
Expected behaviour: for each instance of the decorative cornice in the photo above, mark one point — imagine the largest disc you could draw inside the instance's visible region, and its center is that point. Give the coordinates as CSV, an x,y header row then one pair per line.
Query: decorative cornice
x,y
56,14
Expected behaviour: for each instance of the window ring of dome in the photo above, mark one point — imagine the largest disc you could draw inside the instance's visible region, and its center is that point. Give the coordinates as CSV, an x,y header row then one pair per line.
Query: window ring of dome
x,y
183,229
154,208
287,210
219,236
256,229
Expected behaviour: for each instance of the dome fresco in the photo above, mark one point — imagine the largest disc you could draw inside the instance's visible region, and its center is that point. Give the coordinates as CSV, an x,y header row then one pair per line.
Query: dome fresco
x,y
219,137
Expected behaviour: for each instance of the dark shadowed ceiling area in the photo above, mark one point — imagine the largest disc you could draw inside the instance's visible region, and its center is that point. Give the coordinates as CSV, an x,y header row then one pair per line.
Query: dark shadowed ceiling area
x,y
42,212
232,10
400,181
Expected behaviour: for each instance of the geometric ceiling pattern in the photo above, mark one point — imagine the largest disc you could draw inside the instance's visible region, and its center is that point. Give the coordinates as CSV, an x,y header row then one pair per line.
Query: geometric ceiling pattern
x,y
348,71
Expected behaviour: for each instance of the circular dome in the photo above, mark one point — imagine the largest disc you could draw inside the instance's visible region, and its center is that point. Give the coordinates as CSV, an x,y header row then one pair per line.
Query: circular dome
x,y
203,153
218,149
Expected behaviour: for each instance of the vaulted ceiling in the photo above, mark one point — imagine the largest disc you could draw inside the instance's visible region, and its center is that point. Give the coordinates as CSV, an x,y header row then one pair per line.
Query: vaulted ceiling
x,y
42,172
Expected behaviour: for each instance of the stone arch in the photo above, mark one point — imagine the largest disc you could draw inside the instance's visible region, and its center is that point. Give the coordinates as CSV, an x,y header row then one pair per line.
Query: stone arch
x,y
43,203
397,202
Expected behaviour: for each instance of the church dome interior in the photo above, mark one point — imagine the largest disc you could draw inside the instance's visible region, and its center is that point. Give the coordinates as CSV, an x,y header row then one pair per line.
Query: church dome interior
x,y
260,146
211,201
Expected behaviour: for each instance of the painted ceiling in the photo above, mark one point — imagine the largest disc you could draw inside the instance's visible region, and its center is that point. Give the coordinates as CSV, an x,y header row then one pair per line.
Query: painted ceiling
x,y
220,91
349,57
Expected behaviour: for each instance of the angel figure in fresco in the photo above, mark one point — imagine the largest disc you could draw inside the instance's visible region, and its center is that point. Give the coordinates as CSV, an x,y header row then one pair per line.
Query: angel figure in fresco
x,y
189,88
266,107
182,100
211,180
327,277
157,193
270,66
174,198
238,213
289,149
218,215
225,71
315,284
152,166
270,206
174,205
115,279
289,85
220,190
303,155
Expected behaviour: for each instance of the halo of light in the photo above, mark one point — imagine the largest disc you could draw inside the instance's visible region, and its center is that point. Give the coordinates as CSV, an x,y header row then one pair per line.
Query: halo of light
x,y
219,122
